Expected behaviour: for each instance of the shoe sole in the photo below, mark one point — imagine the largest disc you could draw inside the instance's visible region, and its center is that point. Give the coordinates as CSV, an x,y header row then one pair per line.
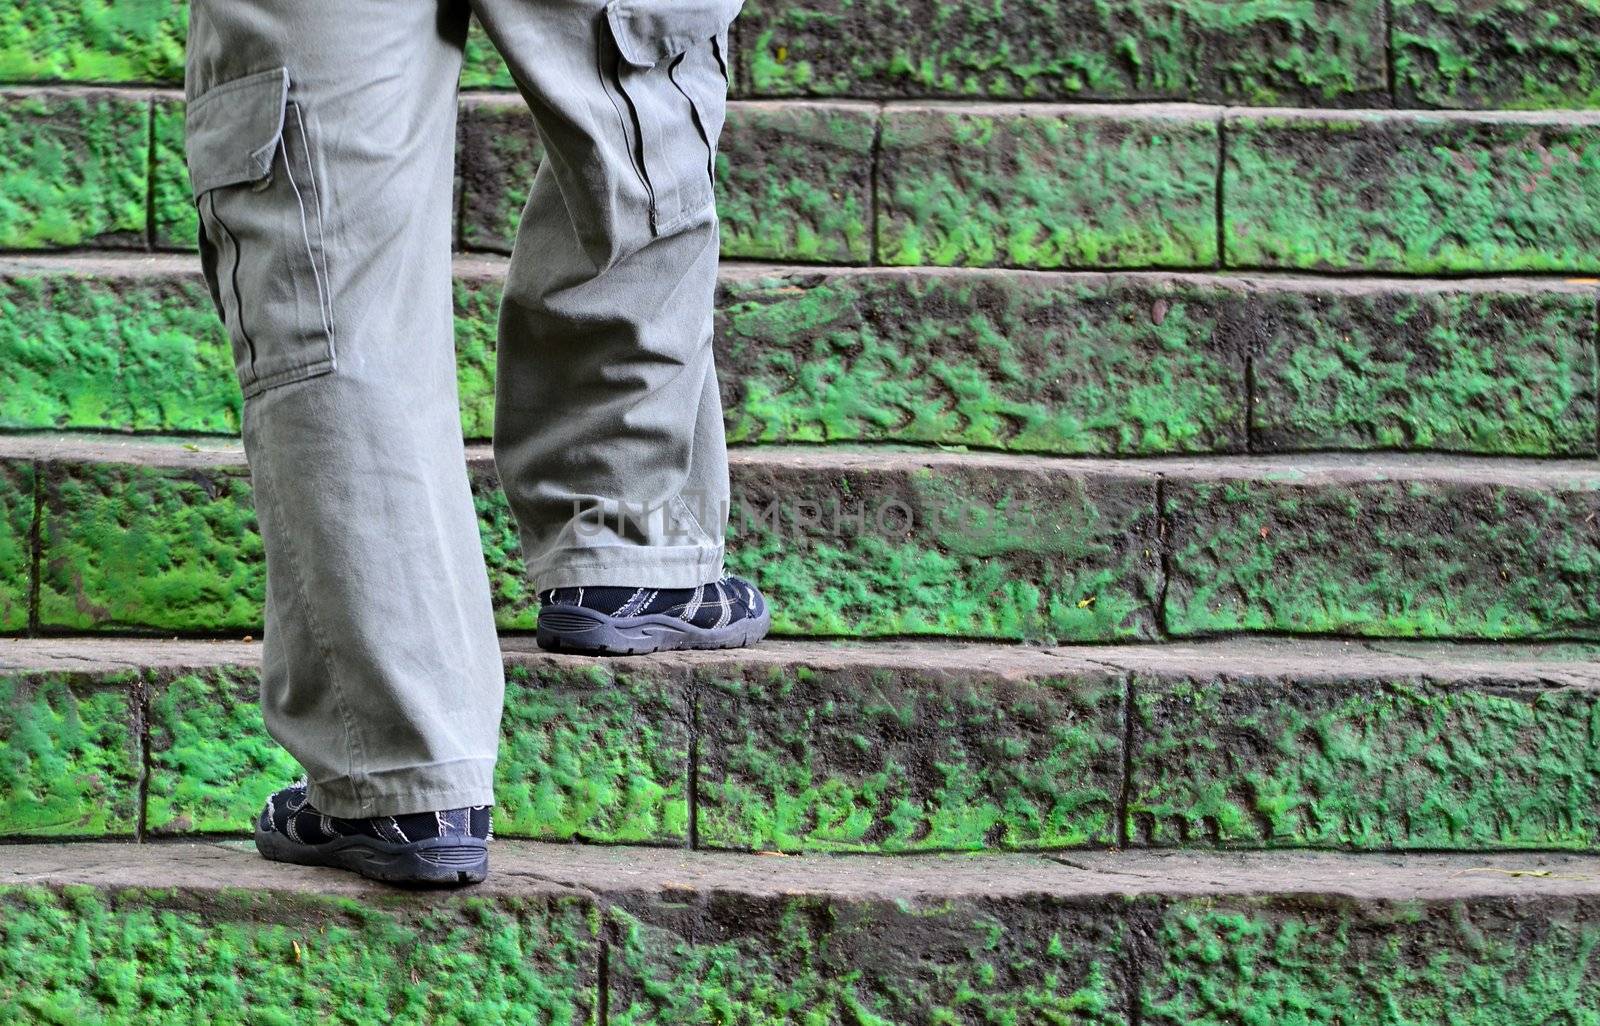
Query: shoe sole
x,y
439,861
589,632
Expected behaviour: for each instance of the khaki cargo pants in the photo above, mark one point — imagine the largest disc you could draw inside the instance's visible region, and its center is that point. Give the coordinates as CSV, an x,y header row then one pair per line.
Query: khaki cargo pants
x,y
321,140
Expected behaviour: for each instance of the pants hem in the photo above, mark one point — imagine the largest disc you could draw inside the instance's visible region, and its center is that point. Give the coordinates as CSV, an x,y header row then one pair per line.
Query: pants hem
x,y
626,566
429,788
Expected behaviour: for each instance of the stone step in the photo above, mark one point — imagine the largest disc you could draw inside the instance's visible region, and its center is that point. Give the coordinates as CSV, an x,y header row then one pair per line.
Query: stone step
x,y
881,747
180,933
1496,53
1070,363
104,535
1024,185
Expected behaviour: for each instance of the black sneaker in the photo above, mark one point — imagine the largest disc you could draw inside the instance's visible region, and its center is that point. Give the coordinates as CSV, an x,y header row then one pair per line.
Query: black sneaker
x,y
448,847
729,613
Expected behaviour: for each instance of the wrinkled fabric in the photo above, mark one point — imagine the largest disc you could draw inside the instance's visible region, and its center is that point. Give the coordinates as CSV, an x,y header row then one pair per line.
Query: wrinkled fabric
x,y
321,137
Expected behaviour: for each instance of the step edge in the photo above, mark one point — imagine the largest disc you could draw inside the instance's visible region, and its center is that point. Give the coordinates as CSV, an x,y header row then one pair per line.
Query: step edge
x,y
531,867
1501,665
126,265
191,452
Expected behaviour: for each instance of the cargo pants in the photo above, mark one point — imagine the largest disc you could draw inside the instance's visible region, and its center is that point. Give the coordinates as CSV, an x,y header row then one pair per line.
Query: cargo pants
x,y
320,144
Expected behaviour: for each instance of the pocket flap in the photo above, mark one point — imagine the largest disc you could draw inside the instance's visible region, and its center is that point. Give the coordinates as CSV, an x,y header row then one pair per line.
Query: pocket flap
x,y
650,31
233,130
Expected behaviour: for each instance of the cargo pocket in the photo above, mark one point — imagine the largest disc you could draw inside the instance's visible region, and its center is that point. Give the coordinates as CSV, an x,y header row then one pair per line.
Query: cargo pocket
x,y
668,63
261,229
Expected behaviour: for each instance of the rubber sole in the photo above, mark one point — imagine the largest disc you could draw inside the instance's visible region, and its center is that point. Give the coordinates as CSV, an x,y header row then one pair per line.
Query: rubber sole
x,y
443,861
589,632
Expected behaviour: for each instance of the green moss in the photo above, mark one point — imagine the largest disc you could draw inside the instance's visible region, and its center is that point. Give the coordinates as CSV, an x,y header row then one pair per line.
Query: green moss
x,y
126,546
93,41
515,603
125,353
956,552
1018,362
176,223
1497,53
481,66
998,361
212,764
1237,960
1504,371
1393,763
1047,190
1419,195
955,548
795,183
808,960
1394,558
885,760
16,543
586,753
74,167
176,549
69,757
597,756
1261,52
990,555
82,956
135,351
477,314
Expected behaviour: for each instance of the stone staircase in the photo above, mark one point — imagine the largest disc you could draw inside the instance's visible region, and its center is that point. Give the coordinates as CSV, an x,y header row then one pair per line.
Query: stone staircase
x,y
1167,433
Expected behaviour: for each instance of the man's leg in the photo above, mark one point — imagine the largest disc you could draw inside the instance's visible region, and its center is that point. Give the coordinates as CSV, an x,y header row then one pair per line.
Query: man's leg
x,y
320,144
608,433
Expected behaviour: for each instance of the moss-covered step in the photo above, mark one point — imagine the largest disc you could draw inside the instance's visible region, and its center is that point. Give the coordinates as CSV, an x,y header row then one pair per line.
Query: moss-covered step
x,y
113,343
871,544
1399,547
142,41
75,167
1070,363
18,506
883,746
893,747
591,750
1362,746
174,223
93,41
1491,366
166,539
161,536
1438,956
1041,186
1497,53
797,746
563,933
70,757
1216,940
1060,362
794,180
1149,363
1320,54
1413,192
146,535
190,933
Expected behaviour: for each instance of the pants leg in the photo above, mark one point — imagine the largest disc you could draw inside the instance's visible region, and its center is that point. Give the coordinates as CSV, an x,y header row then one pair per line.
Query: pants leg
x,y
321,140
608,433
